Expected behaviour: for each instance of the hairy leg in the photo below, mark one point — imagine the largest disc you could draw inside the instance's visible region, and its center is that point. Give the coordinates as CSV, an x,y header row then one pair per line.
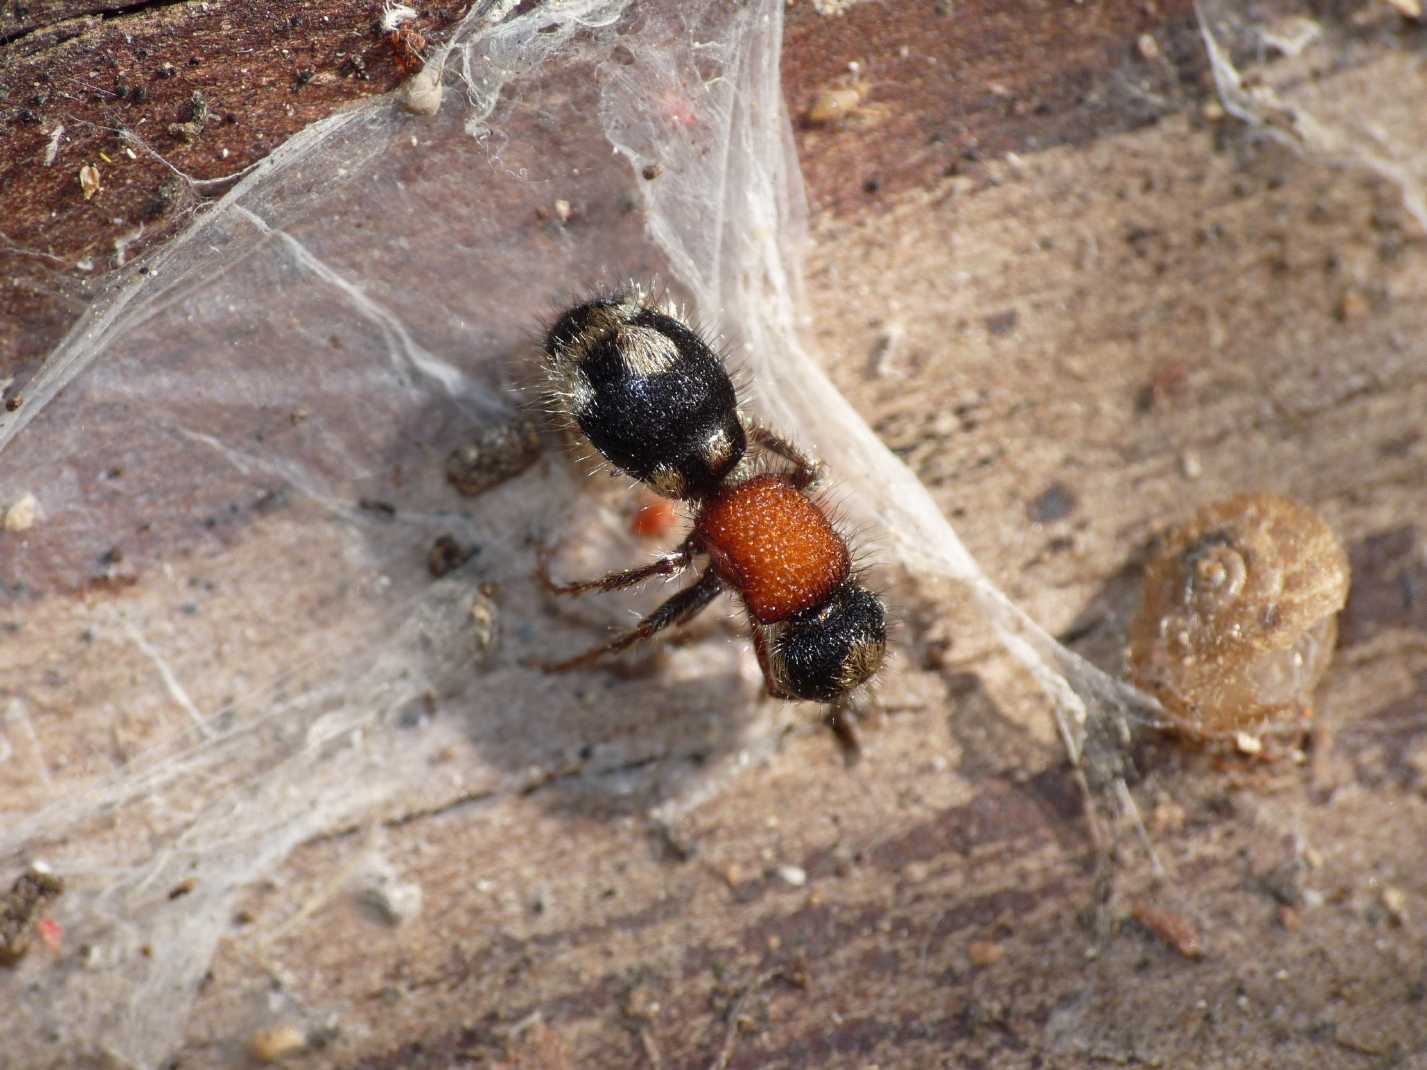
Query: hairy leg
x,y
806,471
670,565
679,609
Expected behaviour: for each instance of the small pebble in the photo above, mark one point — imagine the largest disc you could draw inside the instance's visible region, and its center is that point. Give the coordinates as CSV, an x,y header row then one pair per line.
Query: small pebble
x,y
494,455
833,104
275,1044
21,515
984,953
485,622
1394,900
794,875
395,903
89,180
1353,305
1175,930
1246,743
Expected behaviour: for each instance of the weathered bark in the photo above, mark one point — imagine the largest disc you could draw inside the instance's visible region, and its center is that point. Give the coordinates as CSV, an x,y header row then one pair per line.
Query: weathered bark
x,y
1076,305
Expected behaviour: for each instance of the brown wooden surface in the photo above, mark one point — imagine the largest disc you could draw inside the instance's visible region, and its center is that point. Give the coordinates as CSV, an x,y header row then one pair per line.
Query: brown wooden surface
x,y
1128,316
264,71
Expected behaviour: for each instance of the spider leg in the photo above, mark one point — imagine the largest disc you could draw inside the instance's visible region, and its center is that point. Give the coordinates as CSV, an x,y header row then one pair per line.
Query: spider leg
x,y
806,471
679,609
669,565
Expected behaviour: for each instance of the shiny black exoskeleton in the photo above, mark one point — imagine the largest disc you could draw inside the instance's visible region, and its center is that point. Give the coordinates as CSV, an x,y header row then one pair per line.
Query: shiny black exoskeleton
x,y
654,400
649,394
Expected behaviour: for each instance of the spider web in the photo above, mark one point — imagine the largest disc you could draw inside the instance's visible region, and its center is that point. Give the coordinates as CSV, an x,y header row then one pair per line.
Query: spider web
x,y
224,638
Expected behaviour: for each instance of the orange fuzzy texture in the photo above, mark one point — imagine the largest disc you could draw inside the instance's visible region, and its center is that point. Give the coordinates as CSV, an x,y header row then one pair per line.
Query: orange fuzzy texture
x,y
770,541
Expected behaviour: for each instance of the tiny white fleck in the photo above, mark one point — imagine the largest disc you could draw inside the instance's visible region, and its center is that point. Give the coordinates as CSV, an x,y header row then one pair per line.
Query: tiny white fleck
x,y
393,15
1248,744
21,515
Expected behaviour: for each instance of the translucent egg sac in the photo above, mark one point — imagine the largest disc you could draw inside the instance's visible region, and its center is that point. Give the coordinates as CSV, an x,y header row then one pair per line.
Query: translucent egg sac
x,y
1239,617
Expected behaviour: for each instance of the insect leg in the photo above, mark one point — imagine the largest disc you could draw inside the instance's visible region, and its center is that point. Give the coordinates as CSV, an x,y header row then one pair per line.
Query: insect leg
x,y
806,471
679,609
669,565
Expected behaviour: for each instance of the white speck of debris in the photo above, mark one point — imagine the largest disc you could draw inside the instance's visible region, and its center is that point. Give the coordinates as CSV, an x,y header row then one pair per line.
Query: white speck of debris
x,y
22,514
1248,744
87,264
1190,466
393,15
52,149
562,211
885,348
122,243
223,154
1291,35
797,876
